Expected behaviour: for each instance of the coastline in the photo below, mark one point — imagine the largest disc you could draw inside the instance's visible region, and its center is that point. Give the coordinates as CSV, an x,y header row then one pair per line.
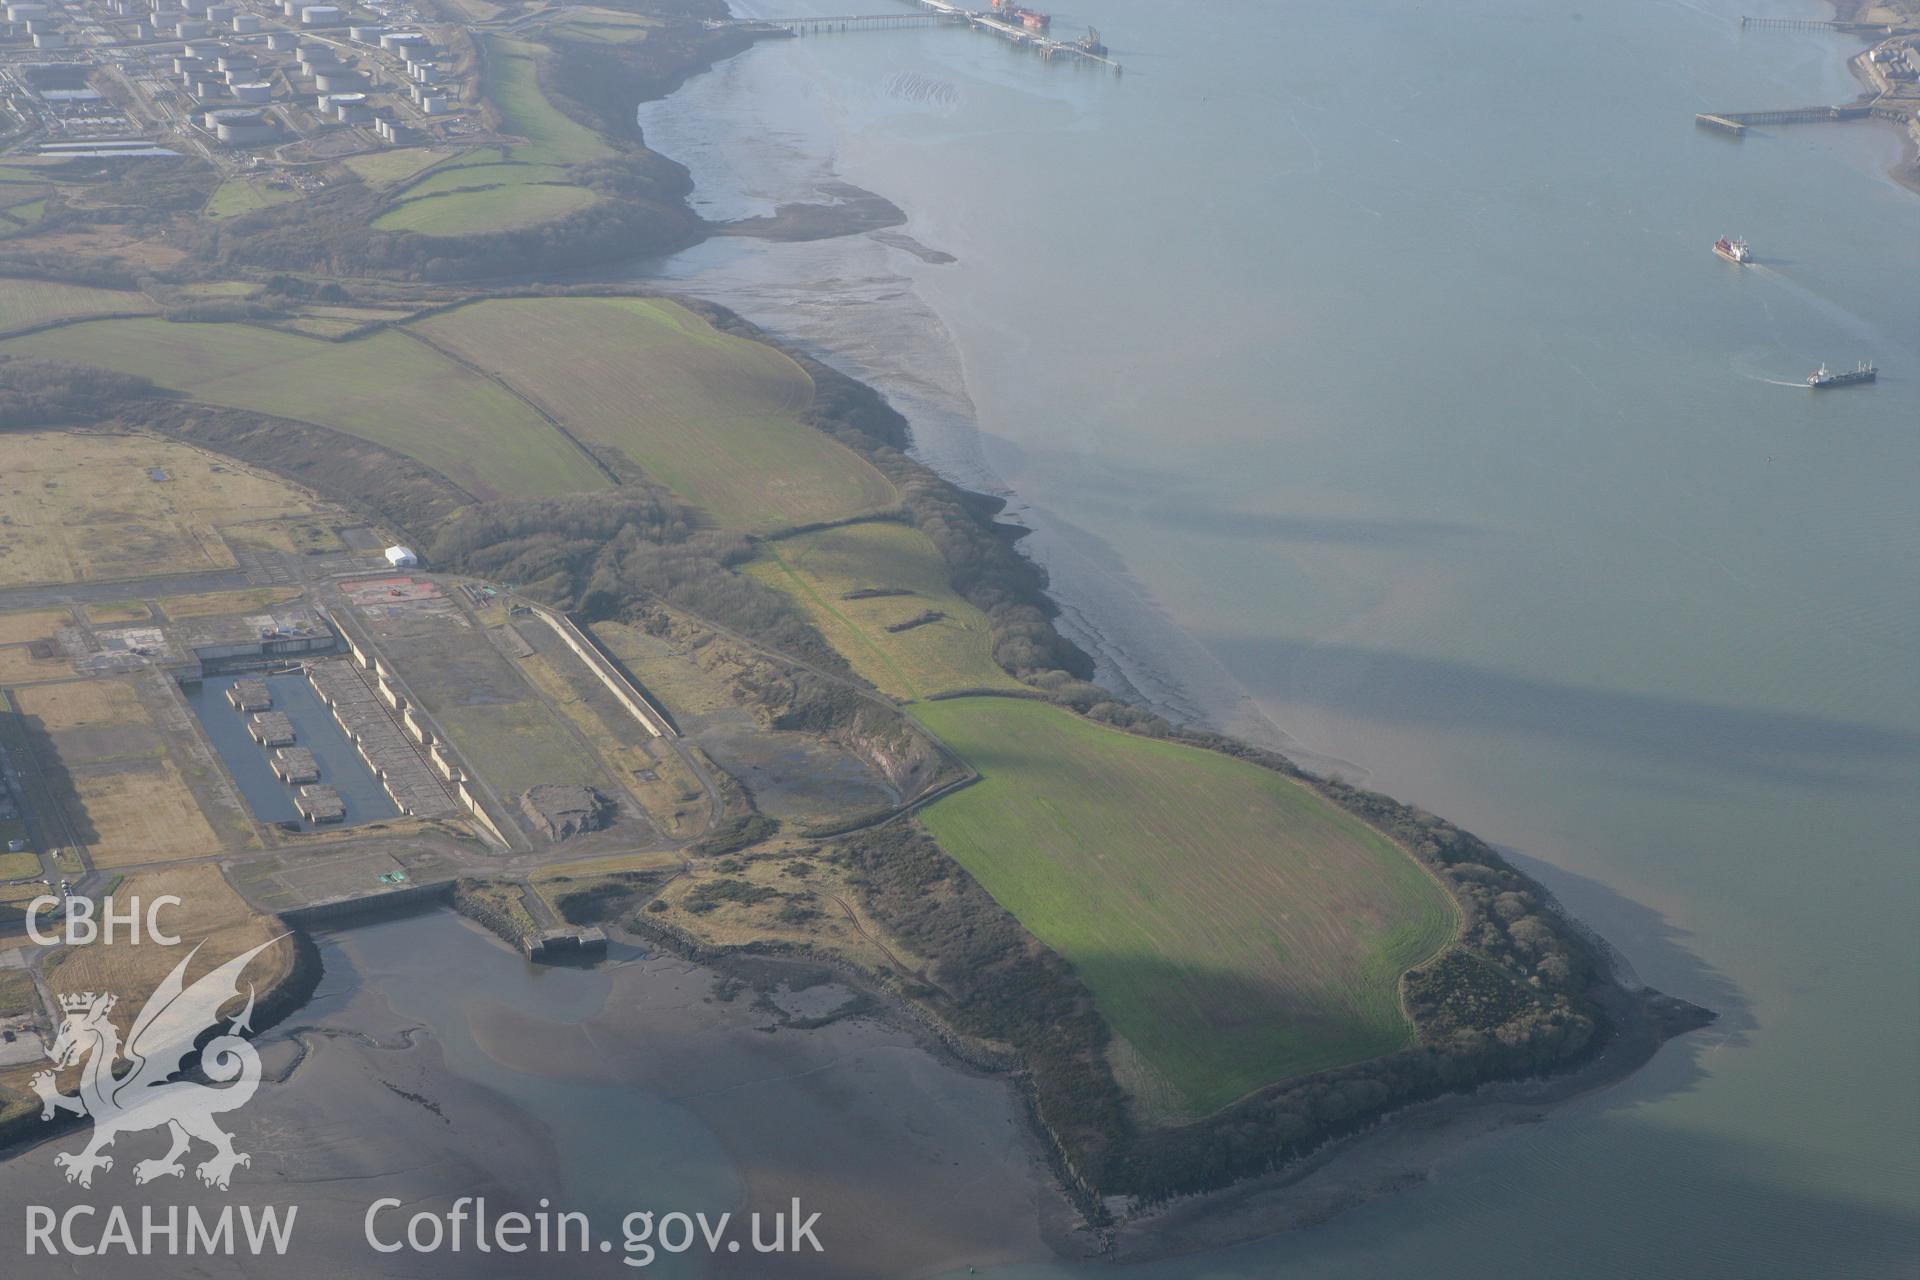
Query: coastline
x,y
1399,1152
1351,1168
1905,171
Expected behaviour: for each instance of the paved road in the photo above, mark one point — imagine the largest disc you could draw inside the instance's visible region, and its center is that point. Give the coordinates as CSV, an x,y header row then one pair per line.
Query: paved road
x,y
178,584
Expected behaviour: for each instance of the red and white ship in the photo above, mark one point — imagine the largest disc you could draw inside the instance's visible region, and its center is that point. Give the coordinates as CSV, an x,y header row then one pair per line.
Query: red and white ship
x,y
1032,19
1734,251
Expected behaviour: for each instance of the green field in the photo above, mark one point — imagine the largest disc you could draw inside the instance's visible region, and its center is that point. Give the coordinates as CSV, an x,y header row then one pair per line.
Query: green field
x,y
492,173
497,207
236,196
18,217
504,188
819,569
713,417
385,387
514,85
516,745
381,168
587,22
1235,927
30,302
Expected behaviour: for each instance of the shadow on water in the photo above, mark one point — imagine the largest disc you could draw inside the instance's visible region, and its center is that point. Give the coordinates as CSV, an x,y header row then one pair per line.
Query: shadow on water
x,y
1624,1230
1648,947
1384,532
1168,502
1775,746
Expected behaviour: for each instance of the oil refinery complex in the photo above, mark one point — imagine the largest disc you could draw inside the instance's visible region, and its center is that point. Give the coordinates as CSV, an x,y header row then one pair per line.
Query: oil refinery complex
x,y
301,81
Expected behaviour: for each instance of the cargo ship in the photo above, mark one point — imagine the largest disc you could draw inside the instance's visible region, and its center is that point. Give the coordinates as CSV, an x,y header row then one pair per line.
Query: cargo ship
x,y
1822,378
1031,19
1734,251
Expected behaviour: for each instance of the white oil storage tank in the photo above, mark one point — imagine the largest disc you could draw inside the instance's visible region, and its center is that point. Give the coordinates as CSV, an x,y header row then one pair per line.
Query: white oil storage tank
x,y
240,127
320,15
246,24
257,92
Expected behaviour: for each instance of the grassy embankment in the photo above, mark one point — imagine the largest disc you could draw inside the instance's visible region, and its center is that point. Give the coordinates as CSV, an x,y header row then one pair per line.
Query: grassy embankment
x,y
820,570
384,387
1235,927
497,189
715,418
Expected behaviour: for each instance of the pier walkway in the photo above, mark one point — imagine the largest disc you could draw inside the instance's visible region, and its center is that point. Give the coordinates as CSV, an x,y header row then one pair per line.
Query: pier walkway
x,y
933,13
1737,122
1815,24
852,22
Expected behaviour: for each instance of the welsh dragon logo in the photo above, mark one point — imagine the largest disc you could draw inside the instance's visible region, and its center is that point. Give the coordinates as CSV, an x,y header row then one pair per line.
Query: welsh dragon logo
x,y
146,1096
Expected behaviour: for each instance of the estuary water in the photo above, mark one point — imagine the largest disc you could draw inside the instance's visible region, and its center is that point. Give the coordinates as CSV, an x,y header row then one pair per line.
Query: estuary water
x,y
1366,377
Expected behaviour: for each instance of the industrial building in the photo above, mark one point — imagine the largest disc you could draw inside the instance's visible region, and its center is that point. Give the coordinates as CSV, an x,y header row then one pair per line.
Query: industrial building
x,y
402,773
226,644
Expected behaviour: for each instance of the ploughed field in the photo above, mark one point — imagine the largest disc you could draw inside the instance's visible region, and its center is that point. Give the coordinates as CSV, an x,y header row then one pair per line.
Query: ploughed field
x,y
715,418
1235,927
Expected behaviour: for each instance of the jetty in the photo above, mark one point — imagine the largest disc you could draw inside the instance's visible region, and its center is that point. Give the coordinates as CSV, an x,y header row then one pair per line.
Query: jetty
x,y
1738,122
854,22
935,13
1815,24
